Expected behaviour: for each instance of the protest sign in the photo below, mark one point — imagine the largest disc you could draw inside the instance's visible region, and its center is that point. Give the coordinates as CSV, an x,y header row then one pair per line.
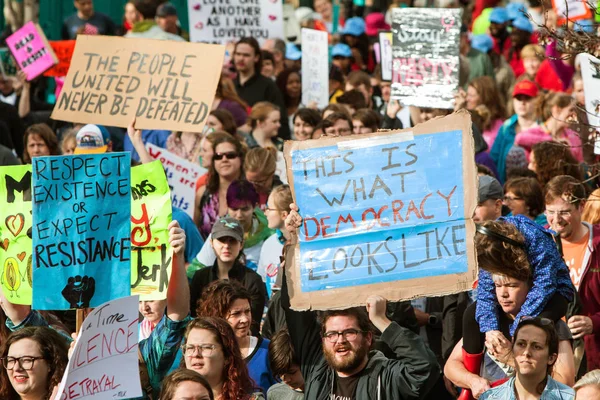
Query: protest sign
x,y
574,10
590,73
104,362
151,213
81,213
164,84
385,51
181,175
425,62
230,20
15,233
386,213
315,64
31,50
64,52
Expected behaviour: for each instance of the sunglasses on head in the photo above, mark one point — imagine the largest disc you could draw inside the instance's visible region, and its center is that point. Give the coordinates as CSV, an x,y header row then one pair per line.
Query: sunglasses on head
x,y
229,155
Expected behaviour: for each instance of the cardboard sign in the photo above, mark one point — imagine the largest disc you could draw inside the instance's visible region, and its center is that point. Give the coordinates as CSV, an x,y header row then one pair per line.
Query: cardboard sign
x,y
81,212
385,51
590,73
104,362
151,214
425,56
16,276
164,84
181,175
64,52
315,64
31,50
575,10
386,213
231,20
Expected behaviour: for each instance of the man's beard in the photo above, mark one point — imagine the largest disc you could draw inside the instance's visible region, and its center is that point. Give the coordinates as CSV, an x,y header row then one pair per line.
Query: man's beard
x,y
351,362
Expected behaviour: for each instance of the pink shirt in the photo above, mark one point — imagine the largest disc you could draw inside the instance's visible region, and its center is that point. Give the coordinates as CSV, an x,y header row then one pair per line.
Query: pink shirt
x,y
528,138
490,135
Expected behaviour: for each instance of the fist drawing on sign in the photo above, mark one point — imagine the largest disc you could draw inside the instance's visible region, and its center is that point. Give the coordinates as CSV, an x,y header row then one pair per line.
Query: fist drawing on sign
x,y
79,291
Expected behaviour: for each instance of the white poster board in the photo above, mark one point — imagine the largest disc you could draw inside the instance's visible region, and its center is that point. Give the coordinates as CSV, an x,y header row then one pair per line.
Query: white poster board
x,y
590,72
104,362
385,51
181,175
315,68
226,21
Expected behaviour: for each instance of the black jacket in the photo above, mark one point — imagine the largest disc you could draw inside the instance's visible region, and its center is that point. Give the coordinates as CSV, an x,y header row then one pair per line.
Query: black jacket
x,y
250,279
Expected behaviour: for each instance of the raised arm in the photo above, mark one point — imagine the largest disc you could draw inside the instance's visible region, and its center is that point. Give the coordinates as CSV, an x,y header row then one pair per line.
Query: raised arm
x,y
178,292
135,135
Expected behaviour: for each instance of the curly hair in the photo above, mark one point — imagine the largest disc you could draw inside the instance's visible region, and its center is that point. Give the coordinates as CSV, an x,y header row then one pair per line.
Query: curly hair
x,y
218,297
282,81
552,159
44,132
500,257
54,350
237,383
172,381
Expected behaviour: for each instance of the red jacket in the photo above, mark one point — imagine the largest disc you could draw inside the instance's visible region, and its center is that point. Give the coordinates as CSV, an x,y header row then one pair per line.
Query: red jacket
x,y
589,292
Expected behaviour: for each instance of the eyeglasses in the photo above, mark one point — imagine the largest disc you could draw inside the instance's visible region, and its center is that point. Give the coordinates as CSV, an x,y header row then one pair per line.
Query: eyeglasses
x,y
26,362
509,198
205,350
562,213
229,155
270,209
261,182
348,334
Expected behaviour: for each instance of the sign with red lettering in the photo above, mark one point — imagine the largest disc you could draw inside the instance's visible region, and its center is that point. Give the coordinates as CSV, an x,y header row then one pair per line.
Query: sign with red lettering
x,y
387,213
64,52
104,362
425,56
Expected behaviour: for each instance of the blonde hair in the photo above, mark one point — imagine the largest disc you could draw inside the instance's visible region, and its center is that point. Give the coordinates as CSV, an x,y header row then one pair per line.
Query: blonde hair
x,y
260,111
533,51
69,135
545,102
282,196
591,210
261,159
591,378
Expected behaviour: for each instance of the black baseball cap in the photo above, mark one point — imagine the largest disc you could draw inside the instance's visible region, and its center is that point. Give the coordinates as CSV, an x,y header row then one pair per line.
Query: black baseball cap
x,y
165,10
227,227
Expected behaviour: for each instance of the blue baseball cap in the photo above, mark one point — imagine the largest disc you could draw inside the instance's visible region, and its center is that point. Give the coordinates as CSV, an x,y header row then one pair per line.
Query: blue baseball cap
x,y
341,50
515,10
354,26
292,52
499,15
92,139
523,24
483,43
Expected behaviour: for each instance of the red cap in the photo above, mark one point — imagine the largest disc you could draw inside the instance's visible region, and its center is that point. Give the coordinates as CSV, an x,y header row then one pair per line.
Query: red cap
x,y
526,88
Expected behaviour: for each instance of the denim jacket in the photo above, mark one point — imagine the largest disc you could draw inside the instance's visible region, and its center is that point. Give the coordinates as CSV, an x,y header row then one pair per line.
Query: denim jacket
x,y
553,391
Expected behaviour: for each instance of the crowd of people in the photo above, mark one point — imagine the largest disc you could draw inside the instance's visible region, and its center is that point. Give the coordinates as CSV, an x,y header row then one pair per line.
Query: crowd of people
x,y
529,329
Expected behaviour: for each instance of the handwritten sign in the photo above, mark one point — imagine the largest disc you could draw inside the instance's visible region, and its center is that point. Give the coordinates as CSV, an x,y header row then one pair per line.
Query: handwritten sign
x,y
385,51
315,63
31,50
164,84
425,56
181,175
387,213
231,20
575,10
16,276
590,73
151,214
104,363
64,52
81,212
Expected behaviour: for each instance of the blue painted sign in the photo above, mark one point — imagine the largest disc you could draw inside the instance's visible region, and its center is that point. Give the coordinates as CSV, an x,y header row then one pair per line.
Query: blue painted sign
x,y
381,209
81,230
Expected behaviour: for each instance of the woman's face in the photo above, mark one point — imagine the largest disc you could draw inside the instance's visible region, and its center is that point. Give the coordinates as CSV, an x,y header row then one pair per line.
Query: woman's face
x,y
275,217
153,310
227,249
531,352
210,366
578,93
32,383
511,294
516,204
36,146
263,182
213,122
532,164
270,126
473,99
563,116
206,153
294,86
131,14
531,65
359,128
68,146
190,390
227,167
239,317
302,130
